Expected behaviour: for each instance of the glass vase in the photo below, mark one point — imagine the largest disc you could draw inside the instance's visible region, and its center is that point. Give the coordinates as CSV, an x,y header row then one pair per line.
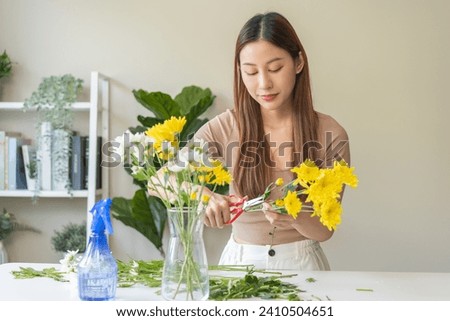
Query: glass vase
x,y
3,254
185,275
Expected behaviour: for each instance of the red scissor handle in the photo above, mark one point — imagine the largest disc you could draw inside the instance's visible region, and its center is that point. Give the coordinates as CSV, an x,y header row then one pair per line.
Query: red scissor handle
x,y
236,210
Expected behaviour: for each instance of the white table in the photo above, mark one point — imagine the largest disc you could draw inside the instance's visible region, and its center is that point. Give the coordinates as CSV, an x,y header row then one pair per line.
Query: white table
x,y
329,285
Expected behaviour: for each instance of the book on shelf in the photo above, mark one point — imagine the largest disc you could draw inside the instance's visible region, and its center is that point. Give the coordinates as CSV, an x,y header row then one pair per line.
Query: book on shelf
x,y
77,166
4,152
29,160
98,177
16,169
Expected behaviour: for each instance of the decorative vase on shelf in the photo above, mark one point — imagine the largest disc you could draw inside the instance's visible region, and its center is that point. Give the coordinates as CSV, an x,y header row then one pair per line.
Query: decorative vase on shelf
x,y
3,254
185,274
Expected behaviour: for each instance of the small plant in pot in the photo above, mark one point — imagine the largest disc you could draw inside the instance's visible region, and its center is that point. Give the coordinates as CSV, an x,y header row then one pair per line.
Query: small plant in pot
x,y
9,224
71,237
5,67
53,101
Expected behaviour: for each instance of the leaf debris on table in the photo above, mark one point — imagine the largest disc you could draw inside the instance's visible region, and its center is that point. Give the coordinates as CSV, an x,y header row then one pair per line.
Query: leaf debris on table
x,y
29,273
149,273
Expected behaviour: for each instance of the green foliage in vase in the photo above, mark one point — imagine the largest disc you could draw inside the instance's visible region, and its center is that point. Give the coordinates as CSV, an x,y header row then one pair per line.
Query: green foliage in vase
x,y
145,213
71,237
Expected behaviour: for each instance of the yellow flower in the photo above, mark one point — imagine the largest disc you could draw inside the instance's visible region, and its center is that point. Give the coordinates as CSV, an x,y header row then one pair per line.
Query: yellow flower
x,y
307,172
279,203
330,214
165,135
279,182
175,125
193,196
205,199
292,204
221,176
201,179
345,173
327,186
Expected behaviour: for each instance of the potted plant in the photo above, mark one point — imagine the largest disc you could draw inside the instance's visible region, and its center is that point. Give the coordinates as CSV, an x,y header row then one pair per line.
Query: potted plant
x,y
5,66
147,214
53,101
71,237
9,224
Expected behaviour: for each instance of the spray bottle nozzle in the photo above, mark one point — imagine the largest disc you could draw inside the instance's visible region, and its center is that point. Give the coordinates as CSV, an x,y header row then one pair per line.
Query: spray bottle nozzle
x,y
101,219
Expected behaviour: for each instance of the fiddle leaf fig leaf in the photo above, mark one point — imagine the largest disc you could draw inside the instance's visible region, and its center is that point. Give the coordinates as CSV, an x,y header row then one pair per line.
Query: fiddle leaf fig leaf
x,y
160,104
142,213
194,101
149,121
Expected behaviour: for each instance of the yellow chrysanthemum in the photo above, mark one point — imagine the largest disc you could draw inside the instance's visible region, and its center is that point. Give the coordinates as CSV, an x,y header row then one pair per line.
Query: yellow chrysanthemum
x,y
205,178
345,173
327,186
279,202
193,196
307,172
166,134
175,125
279,182
330,214
205,199
292,204
221,176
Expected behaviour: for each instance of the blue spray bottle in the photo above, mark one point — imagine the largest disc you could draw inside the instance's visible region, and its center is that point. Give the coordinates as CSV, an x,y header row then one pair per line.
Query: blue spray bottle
x,y
97,270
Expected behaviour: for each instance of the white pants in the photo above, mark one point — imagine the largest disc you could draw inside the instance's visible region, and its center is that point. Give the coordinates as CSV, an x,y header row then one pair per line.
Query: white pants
x,y
306,255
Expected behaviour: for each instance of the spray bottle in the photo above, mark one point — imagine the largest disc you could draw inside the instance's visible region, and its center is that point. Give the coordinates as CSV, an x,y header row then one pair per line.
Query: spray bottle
x,y
97,270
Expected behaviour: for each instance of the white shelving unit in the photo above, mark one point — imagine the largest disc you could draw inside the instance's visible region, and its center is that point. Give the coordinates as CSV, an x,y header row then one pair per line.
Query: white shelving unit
x,y
98,108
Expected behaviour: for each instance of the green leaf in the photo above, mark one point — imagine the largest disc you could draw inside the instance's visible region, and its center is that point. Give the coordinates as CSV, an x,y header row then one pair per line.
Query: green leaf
x,y
199,108
144,213
157,206
137,129
191,128
160,104
149,121
194,101
5,65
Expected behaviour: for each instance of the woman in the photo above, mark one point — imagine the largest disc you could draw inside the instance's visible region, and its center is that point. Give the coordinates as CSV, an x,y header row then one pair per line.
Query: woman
x,y
272,128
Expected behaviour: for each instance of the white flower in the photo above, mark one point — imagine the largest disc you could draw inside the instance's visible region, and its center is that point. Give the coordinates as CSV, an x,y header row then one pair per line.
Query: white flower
x,y
176,165
133,147
118,146
70,261
135,169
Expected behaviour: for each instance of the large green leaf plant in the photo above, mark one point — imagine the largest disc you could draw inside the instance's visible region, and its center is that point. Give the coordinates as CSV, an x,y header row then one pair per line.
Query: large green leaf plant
x,y
147,214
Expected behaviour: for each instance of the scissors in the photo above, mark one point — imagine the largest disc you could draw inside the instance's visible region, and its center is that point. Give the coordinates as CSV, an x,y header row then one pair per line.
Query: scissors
x,y
243,205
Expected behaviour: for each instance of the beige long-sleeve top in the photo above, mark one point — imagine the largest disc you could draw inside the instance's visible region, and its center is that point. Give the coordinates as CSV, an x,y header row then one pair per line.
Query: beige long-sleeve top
x,y
222,135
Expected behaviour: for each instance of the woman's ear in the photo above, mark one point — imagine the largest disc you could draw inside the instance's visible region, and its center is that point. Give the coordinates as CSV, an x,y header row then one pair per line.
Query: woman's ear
x,y
299,63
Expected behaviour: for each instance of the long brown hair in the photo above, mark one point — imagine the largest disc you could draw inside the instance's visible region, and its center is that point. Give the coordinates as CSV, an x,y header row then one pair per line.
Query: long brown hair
x,y
251,173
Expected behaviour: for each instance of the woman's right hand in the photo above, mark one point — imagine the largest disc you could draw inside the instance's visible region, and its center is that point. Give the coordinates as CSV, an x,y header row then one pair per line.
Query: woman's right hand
x,y
217,211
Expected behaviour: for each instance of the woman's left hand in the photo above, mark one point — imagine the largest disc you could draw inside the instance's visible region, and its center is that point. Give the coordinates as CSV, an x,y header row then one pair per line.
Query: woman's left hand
x,y
276,219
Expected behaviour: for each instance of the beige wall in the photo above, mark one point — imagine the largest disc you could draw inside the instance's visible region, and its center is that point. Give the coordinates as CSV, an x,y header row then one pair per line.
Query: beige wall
x,y
381,68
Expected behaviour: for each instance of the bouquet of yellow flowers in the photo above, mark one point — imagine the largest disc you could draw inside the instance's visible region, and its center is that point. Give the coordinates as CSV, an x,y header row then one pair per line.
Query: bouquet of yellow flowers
x,y
185,172
179,177
321,187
